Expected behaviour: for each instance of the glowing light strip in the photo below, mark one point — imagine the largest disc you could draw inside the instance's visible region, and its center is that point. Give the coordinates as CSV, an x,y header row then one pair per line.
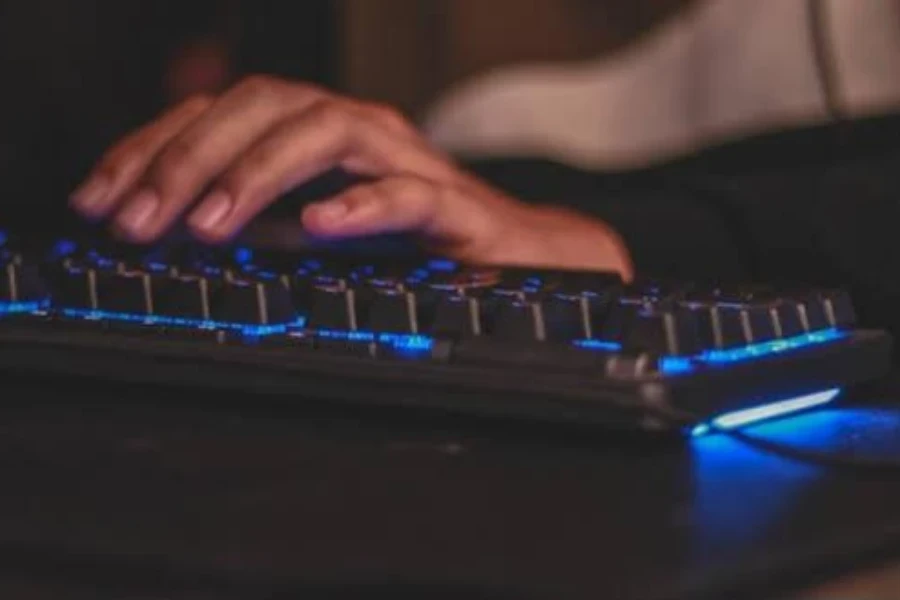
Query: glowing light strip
x,y
763,412
18,308
248,329
669,365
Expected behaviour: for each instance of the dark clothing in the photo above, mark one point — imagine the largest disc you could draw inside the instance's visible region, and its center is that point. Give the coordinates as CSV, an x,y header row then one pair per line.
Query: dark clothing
x,y
817,205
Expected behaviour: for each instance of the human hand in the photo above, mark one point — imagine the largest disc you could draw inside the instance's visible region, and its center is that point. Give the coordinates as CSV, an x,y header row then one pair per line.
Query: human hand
x,y
241,151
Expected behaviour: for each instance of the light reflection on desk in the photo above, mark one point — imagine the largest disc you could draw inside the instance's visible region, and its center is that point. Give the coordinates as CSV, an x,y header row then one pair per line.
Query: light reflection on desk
x,y
724,516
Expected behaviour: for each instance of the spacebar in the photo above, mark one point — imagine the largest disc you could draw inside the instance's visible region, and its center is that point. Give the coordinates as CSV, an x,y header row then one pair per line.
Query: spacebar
x,y
543,354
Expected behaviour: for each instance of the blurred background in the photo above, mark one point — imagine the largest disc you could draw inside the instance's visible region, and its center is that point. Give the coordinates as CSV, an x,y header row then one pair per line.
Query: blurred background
x,y
633,76
76,75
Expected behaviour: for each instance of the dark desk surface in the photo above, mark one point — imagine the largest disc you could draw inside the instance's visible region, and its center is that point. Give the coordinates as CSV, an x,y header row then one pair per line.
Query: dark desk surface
x,y
142,492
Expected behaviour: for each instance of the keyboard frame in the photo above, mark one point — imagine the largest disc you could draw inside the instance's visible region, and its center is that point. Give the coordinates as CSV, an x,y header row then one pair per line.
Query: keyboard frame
x,y
290,375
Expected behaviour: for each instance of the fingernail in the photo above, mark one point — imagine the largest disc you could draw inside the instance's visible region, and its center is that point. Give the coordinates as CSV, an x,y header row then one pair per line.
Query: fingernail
x,y
139,211
91,193
211,211
330,211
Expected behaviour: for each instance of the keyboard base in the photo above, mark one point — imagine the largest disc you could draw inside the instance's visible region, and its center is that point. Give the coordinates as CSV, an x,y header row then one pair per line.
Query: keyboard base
x,y
298,375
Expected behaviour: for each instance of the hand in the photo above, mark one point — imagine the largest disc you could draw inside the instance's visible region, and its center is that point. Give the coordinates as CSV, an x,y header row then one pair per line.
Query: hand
x,y
244,149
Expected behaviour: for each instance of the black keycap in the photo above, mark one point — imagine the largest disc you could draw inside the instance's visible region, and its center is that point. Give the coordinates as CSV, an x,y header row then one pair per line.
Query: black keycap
x,y
253,302
518,320
335,306
723,326
786,318
662,331
187,297
457,315
620,317
20,281
76,287
574,316
838,308
394,310
127,291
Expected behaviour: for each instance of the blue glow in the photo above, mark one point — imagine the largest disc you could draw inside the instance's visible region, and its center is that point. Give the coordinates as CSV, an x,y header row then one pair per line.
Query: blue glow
x,y
774,347
599,345
243,256
247,329
63,248
673,365
407,342
156,267
766,411
4,237
442,265
18,308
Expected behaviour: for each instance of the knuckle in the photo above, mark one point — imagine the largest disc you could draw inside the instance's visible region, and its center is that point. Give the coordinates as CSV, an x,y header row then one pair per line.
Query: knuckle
x,y
243,181
176,166
331,116
117,163
198,102
389,116
256,86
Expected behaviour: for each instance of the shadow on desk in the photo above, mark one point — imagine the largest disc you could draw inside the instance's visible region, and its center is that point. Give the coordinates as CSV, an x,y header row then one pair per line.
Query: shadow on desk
x,y
143,491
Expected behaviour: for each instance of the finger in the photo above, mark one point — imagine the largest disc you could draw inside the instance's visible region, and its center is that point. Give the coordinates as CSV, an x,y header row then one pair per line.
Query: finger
x,y
125,162
392,205
201,152
325,136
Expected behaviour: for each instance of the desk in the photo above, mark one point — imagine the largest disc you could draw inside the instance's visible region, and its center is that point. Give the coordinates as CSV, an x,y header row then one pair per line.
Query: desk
x,y
137,491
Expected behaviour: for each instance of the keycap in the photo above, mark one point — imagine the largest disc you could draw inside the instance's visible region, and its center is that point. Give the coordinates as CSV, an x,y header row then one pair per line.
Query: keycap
x,y
457,315
663,331
519,320
20,281
188,297
75,287
838,308
394,310
253,302
334,306
786,318
574,316
128,291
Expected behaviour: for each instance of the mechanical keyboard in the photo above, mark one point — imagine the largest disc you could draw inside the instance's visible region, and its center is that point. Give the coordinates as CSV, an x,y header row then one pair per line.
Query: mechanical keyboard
x,y
570,346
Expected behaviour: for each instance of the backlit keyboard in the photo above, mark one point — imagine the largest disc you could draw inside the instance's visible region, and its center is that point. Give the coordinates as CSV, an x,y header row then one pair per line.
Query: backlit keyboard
x,y
524,343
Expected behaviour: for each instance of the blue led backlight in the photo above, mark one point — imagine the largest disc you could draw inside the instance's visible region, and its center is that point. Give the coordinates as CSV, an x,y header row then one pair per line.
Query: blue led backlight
x,y
674,365
599,345
160,321
764,412
402,342
774,347
19,308
442,265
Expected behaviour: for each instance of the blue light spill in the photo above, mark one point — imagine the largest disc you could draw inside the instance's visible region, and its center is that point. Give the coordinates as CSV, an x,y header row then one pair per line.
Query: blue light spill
x,y
3,237
406,343
766,411
774,347
246,329
18,308
442,265
64,248
673,365
243,256
599,345
669,365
